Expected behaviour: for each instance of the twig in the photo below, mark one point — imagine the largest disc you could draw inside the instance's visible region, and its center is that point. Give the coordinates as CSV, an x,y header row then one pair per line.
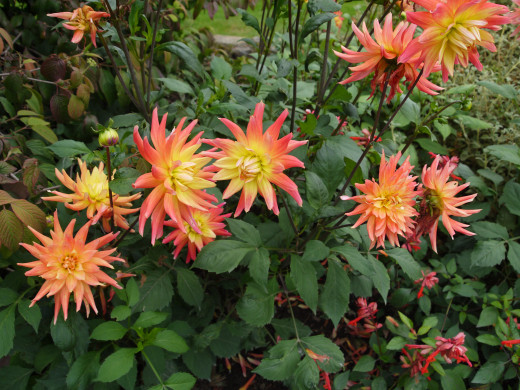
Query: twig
x,y
125,233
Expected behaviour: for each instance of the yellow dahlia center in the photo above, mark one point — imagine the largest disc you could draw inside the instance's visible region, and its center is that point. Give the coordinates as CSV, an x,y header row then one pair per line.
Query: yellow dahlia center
x,y
435,202
182,174
70,262
202,223
251,166
389,201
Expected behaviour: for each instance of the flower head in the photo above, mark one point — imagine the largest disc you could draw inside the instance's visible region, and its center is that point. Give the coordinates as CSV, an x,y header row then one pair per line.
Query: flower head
x,y
256,161
387,206
427,281
365,310
82,20
177,176
439,200
90,191
515,18
69,264
453,29
381,58
210,225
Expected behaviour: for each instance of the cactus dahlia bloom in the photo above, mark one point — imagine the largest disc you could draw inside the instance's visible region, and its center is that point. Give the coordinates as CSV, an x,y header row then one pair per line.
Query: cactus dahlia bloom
x,y
381,58
69,264
82,20
255,161
452,31
210,224
177,177
387,206
90,191
439,201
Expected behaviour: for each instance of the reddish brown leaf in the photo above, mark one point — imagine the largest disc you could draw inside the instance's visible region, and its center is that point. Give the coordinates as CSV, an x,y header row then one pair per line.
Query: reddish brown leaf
x,y
11,230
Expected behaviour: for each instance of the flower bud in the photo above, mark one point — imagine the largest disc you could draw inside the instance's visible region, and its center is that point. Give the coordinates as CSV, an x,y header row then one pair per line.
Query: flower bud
x,y
108,137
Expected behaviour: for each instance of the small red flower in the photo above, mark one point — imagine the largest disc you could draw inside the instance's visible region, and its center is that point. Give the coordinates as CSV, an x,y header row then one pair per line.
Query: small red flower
x,y
427,281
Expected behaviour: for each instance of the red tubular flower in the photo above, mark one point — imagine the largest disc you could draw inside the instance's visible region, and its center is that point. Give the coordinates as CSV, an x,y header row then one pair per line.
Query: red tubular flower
x,y
178,177
82,20
509,343
427,281
515,18
381,58
365,310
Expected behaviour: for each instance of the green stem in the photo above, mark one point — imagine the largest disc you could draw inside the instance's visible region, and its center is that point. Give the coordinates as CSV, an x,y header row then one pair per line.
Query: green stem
x,y
109,172
153,368
150,60
286,292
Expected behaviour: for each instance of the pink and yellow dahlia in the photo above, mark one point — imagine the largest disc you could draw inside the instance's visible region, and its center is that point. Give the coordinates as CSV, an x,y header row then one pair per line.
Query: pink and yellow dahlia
x,y
452,31
255,161
210,225
381,58
82,20
69,264
439,200
178,176
387,206
90,191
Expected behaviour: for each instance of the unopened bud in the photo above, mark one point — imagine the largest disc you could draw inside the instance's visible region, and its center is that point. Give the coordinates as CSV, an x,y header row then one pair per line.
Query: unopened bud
x,y
108,137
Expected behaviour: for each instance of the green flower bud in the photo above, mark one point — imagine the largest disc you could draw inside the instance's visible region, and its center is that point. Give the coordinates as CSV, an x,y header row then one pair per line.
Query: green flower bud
x,y
108,137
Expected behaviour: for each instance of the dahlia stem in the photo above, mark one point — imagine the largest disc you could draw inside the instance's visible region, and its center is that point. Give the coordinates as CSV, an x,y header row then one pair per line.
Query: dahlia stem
x,y
446,315
291,220
153,368
286,292
324,67
295,57
120,239
150,60
109,171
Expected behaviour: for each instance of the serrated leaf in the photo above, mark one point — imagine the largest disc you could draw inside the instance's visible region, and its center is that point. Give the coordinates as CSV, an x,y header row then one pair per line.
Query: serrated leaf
x,y
256,307
244,232
69,148
156,292
116,365
396,343
307,374
189,287
83,370
170,341
222,255
121,313
220,69
32,315
488,253
511,197
365,364
334,299
406,261
314,22
513,255
7,296
321,345
315,250
488,339
281,362
109,330
505,90
14,377
488,316
490,372
180,381
509,153
11,230
317,193
149,319
30,214
249,20
259,266
177,86
6,330
487,230
304,277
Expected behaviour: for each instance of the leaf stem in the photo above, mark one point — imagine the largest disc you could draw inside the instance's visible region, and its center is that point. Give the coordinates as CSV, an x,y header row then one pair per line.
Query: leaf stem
x,y
153,368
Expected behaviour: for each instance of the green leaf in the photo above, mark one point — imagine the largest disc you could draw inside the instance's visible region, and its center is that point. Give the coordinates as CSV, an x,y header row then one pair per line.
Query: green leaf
x,y
329,165
132,292
121,313
335,296
322,5
321,345
149,318
407,321
488,253
244,232
307,374
222,255
314,22
365,364
505,90
281,362
180,381
249,20
177,86
189,287
7,296
14,377
452,380
406,262
357,261
170,341
123,180
109,330
509,153
32,315
304,277
380,277
256,307
185,53
490,372
220,69
83,370
432,146
465,89
396,343
488,339
315,250
156,293
69,148
513,255
63,334
473,123
317,193
259,266
410,112
199,362
511,197
485,229
116,365
488,316
6,330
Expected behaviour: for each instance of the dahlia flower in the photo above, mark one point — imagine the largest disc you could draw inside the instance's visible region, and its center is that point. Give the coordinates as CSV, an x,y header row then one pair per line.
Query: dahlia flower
x,y
387,206
439,201
90,191
256,161
381,58
82,20
210,224
177,177
452,31
69,264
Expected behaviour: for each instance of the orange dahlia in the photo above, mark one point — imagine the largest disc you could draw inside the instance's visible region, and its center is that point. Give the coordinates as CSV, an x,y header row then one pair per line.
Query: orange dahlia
x,y
210,224
82,20
69,264
255,161
452,31
177,176
381,58
387,206
90,191
439,200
